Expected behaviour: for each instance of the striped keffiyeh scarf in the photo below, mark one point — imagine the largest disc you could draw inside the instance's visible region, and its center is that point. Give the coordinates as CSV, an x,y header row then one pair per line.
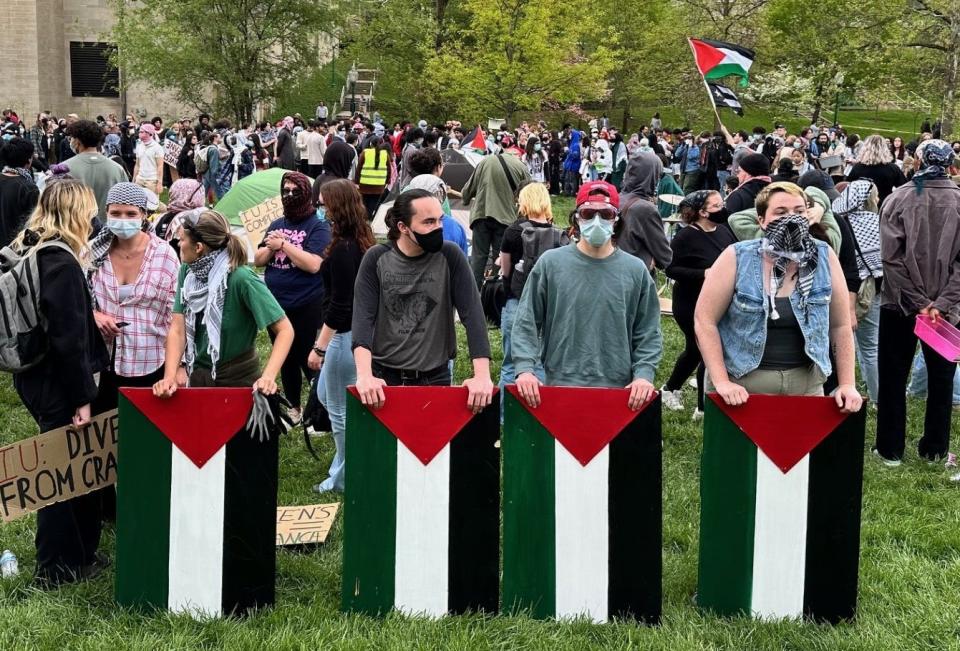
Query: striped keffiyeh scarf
x,y
788,240
203,293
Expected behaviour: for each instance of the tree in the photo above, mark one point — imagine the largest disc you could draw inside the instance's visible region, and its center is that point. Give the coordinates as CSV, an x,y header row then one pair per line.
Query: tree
x,y
934,27
515,55
239,52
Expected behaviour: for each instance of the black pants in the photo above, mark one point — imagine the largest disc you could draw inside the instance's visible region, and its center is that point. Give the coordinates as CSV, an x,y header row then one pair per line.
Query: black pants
x,y
371,202
306,321
487,236
690,359
437,377
315,171
108,397
68,533
304,167
897,346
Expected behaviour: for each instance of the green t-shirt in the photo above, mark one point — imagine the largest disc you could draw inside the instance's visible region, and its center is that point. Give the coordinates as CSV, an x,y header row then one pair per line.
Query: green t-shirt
x,y
247,308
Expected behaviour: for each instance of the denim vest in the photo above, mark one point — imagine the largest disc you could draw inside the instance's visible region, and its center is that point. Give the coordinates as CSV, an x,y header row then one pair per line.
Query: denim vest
x,y
743,329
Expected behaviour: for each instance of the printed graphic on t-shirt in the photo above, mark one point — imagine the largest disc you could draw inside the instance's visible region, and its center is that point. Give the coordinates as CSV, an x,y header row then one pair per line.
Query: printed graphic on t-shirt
x,y
294,237
408,300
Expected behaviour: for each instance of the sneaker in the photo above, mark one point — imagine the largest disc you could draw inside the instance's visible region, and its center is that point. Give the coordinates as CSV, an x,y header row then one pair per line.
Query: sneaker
x,y
296,416
891,463
956,477
951,461
672,400
697,414
692,382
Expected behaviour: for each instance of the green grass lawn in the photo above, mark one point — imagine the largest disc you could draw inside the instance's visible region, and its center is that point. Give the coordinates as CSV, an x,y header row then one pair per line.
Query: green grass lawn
x,y
909,580
909,570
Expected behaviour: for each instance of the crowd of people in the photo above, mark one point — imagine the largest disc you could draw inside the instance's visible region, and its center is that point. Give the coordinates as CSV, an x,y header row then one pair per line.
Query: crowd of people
x,y
782,281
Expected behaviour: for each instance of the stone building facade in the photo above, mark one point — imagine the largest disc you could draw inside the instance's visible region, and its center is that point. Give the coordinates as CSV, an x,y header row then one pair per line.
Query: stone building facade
x,y
51,50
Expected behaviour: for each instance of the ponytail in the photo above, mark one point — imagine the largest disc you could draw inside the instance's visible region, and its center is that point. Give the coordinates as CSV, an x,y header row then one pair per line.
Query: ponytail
x,y
213,230
402,211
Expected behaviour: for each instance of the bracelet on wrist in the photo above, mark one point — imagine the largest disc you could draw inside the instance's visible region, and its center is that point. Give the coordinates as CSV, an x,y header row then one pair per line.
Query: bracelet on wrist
x,y
319,351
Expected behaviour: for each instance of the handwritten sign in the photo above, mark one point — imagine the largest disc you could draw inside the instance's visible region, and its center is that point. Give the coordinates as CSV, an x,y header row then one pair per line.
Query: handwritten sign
x,y
171,152
255,220
58,465
305,525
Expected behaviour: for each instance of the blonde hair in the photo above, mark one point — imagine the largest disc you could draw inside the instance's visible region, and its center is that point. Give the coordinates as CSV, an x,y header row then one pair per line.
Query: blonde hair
x,y
534,202
875,151
763,197
65,211
213,231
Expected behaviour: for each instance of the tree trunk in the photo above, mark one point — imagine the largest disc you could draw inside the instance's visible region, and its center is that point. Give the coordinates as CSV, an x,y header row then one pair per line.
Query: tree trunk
x,y
818,104
626,115
948,116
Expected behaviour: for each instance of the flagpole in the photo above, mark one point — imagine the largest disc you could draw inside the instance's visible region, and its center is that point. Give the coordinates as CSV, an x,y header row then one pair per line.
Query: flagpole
x,y
705,84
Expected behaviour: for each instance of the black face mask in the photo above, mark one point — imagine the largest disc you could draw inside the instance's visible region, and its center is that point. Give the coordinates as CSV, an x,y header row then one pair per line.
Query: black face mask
x,y
430,242
719,216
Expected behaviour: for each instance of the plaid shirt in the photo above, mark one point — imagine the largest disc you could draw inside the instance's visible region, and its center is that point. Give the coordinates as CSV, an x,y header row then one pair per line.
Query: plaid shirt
x,y
149,310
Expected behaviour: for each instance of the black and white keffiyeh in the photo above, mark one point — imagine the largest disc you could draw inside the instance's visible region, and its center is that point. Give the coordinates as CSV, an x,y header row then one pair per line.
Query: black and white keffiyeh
x,y
865,225
203,293
787,240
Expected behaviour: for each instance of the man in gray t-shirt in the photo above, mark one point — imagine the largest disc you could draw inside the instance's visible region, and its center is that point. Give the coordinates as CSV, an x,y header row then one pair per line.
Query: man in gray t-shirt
x,y
404,297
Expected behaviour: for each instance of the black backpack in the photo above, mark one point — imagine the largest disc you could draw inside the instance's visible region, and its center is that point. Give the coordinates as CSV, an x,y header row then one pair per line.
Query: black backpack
x,y
535,241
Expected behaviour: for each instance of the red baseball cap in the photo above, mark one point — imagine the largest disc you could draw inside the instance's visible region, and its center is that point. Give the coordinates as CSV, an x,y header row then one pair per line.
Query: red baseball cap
x,y
598,192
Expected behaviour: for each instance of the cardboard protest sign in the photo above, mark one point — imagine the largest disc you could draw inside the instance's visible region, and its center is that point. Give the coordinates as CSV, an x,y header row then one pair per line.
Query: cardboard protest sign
x,y
305,525
57,465
171,152
256,219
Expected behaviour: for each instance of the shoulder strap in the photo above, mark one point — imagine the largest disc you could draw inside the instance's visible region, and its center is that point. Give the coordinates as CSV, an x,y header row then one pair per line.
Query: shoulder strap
x,y
506,171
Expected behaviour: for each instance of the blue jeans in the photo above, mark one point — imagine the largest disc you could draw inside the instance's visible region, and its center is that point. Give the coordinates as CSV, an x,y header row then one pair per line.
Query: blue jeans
x,y
338,372
918,381
867,339
508,373
722,176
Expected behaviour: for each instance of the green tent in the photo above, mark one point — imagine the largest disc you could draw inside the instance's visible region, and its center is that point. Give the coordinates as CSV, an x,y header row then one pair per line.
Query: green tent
x,y
250,191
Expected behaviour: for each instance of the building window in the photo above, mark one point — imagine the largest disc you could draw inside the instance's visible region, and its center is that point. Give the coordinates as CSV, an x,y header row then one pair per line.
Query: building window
x,y
91,72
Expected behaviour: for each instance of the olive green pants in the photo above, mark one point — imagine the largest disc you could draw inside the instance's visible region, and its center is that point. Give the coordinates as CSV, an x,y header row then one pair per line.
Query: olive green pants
x,y
799,381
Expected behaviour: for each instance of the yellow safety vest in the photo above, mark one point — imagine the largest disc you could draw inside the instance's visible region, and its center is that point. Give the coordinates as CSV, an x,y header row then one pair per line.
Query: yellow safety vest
x,y
374,170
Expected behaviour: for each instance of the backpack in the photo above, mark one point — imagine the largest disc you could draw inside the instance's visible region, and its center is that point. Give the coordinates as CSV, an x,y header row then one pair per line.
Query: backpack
x,y
200,159
535,241
23,341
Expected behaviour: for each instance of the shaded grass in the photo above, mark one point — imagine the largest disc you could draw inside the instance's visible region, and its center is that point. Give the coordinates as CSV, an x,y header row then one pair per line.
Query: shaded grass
x,y
909,597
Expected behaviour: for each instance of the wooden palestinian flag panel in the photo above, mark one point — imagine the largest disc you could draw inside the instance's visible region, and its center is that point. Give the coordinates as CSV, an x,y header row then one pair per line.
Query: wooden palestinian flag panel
x,y
780,492
196,503
421,519
582,513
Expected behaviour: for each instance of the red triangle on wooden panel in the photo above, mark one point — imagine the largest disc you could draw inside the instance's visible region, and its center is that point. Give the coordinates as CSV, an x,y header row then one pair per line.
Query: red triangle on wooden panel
x,y
424,419
583,419
785,428
198,421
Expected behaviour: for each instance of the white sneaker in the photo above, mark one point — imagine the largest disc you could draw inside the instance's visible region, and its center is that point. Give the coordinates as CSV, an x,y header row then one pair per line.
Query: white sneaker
x,y
956,477
692,382
891,463
697,415
672,400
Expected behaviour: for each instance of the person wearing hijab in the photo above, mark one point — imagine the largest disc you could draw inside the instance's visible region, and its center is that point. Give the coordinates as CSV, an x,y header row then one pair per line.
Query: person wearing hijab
x,y
292,251
185,194
338,163
919,245
791,307
857,206
643,234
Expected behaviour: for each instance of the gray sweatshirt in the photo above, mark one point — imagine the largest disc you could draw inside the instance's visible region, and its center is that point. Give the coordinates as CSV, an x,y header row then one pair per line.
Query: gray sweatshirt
x,y
596,321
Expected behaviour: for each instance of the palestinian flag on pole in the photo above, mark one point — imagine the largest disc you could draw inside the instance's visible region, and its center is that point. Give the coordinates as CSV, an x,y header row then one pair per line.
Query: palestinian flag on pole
x,y
421,527
716,59
582,517
780,492
196,503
